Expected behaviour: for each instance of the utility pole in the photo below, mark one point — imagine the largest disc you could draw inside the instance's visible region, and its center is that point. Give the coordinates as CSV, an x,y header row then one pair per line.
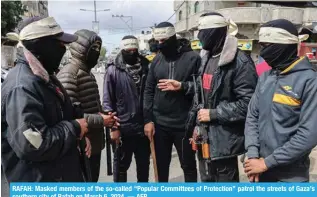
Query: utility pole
x,y
95,23
126,22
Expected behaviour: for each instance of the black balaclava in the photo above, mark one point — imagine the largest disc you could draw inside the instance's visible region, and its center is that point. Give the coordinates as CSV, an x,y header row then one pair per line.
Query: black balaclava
x,y
93,47
130,58
169,47
213,39
48,50
153,45
280,56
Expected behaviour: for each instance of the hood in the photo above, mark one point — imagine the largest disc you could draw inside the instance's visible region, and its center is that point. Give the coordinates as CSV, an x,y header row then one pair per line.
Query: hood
x,y
228,52
299,65
185,45
79,49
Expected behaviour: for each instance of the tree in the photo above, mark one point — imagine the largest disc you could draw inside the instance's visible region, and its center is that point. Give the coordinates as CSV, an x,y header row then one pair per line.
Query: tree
x,y
11,12
103,52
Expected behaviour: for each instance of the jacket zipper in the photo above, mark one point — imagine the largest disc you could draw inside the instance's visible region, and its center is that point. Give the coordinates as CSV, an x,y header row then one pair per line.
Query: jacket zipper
x,y
171,70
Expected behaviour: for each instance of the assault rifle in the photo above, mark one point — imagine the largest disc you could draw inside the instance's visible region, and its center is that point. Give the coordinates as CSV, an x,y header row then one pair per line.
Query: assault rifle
x,y
84,160
200,140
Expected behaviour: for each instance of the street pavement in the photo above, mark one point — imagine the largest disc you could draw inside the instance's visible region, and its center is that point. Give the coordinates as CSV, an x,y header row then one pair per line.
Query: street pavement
x,y
176,173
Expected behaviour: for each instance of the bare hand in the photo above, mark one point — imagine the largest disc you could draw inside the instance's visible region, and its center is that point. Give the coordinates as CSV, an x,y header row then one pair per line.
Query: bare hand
x,y
149,130
110,119
255,166
169,85
204,115
83,127
254,178
115,136
88,147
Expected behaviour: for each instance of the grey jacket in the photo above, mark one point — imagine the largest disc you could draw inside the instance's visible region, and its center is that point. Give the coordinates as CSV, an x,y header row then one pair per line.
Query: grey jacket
x,y
281,124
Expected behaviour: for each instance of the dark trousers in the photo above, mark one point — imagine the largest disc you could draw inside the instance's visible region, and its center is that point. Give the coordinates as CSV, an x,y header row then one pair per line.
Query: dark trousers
x,y
222,170
164,138
140,146
95,166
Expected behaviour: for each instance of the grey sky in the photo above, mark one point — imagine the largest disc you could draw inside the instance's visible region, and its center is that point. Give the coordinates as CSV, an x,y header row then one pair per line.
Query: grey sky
x,y
145,14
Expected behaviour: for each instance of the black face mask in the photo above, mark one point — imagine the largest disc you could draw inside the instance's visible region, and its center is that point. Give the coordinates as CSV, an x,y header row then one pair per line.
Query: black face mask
x,y
130,58
154,48
92,57
213,39
169,47
279,56
48,51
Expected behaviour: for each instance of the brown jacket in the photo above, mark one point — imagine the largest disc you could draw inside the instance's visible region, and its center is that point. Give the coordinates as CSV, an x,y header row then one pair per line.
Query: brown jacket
x,y
82,87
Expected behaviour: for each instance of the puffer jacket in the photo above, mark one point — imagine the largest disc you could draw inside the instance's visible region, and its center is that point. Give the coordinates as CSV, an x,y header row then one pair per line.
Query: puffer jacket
x,y
281,124
232,87
82,87
38,131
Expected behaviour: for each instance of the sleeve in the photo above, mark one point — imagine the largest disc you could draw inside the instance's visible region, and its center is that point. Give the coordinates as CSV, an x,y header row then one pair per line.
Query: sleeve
x,y
109,96
251,132
69,82
305,139
188,86
94,120
29,135
149,92
244,84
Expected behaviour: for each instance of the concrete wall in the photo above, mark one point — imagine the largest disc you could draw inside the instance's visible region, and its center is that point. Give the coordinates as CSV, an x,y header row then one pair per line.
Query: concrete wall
x,y
8,56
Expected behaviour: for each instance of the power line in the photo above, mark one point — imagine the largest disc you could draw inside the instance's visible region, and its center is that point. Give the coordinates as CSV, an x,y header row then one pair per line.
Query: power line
x,y
175,11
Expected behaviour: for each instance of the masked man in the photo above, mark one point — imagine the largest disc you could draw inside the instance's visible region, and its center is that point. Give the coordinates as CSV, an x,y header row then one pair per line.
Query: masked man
x,y
153,49
123,92
281,123
167,100
228,79
82,87
39,133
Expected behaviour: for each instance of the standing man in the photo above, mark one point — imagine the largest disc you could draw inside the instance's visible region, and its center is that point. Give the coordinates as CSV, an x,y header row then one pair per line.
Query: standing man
x,y
228,80
167,100
281,125
38,130
82,87
153,49
123,92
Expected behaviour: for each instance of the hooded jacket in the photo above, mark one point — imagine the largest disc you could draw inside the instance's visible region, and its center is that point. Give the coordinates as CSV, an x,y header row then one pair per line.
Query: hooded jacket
x,y
82,87
170,109
122,96
38,131
232,87
282,120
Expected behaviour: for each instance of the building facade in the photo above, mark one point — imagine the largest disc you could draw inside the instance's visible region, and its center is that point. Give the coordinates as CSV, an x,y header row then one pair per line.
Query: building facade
x,y
35,8
247,15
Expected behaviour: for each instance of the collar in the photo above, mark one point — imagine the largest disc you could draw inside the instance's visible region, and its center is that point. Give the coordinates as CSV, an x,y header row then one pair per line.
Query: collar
x,y
228,52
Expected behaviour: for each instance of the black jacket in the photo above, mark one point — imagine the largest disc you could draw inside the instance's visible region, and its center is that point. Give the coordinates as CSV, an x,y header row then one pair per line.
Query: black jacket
x,y
170,109
38,133
233,84
122,96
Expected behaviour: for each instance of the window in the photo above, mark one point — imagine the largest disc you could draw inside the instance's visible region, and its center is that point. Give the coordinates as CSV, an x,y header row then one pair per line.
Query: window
x,y
180,15
196,7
